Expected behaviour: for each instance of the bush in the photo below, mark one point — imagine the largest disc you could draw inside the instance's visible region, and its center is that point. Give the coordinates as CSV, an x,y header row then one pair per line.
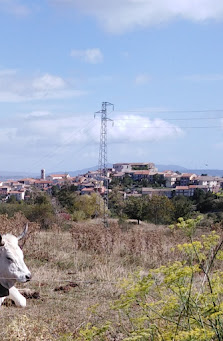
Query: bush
x,y
178,302
78,216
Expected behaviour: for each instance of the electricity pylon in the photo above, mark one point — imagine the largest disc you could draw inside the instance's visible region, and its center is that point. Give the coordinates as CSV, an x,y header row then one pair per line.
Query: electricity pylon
x,y
102,163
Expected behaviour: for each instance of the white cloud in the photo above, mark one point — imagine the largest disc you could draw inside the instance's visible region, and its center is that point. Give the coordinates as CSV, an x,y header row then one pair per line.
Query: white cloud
x,y
142,79
135,128
15,87
92,56
123,15
48,139
7,72
48,82
76,129
37,114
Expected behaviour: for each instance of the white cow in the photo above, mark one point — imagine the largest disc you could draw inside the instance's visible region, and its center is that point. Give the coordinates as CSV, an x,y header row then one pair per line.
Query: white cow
x,y
12,268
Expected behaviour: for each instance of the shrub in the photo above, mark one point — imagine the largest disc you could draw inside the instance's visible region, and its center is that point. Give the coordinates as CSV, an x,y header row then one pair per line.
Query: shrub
x,y
181,301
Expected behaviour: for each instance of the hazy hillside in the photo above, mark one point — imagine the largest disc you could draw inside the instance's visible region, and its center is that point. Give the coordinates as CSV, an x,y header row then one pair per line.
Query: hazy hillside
x,y
18,175
212,172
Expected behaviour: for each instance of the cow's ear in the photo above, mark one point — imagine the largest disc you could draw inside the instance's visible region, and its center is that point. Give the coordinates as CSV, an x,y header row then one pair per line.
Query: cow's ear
x,y
1,242
22,235
3,291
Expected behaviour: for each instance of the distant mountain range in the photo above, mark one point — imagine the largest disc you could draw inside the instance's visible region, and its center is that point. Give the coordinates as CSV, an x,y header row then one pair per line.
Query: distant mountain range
x,y
161,168
211,172
4,175
18,175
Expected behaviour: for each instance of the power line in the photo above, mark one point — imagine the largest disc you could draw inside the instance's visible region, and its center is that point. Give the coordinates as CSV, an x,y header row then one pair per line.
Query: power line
x,y
57,149
77,152
170,111
172,127
176,119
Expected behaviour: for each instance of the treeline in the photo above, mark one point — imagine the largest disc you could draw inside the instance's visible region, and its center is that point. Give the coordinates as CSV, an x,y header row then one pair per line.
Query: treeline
x,y
161,210
63,205
67,204
38,209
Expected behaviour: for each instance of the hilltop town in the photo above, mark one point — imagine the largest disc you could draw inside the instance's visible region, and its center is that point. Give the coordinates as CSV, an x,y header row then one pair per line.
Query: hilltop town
x,y
140,179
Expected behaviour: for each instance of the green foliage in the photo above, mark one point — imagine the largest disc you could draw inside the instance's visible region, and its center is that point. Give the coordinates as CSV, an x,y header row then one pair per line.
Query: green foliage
x,y
81,207
199,196
116,202
178,302
41,213
145,183
142,167
134,208
10,209
208,202
90,332
158,210
182,207
78,216
66,198
38,209
91,205
12,199
127,181
187,226
158,180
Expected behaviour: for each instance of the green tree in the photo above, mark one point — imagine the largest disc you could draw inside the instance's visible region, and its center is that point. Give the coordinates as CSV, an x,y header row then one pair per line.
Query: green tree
x,y
158,210
158,180
127,181
145,183
67,198
11,208
116,202
182,207
134,208
41,213
198,196
91,205
114,183
208,204
12,200
42,198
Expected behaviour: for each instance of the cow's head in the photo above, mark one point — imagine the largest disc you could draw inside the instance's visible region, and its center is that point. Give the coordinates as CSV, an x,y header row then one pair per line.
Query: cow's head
x,y
12,266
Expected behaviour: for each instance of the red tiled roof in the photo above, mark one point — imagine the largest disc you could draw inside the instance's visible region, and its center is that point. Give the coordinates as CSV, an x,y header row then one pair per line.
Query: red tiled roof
x,y
15,192
43,182
59,175
87,189
142,172
27,179
182,187
187,175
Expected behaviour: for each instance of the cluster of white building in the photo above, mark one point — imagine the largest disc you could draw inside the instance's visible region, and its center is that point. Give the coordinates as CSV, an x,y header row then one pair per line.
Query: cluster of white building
x,y
172,183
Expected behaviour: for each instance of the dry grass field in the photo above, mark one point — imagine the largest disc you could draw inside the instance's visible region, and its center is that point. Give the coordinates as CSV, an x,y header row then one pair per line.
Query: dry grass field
x,y
76,271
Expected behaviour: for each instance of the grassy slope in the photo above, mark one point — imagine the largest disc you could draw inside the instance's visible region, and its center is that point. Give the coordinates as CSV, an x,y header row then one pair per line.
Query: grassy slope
x,y
90,257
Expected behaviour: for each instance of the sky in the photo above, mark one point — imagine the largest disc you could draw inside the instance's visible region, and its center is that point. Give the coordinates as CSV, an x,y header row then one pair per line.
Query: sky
x,y
158,61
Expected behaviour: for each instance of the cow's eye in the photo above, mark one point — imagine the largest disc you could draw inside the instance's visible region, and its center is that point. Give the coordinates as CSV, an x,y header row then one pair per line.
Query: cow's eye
x,y
10,259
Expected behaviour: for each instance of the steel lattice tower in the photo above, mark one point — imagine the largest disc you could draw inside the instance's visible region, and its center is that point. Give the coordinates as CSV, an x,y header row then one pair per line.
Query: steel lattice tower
x,y
102,163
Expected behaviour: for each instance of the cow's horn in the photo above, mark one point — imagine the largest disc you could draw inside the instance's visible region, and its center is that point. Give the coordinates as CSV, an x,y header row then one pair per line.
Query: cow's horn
x,y
22,235
1,242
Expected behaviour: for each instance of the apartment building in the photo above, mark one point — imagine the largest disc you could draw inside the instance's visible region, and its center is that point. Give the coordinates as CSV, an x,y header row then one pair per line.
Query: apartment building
x,y
126,167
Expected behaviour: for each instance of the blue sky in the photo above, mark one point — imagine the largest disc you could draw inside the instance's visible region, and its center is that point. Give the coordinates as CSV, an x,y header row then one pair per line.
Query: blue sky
x,y
159,62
